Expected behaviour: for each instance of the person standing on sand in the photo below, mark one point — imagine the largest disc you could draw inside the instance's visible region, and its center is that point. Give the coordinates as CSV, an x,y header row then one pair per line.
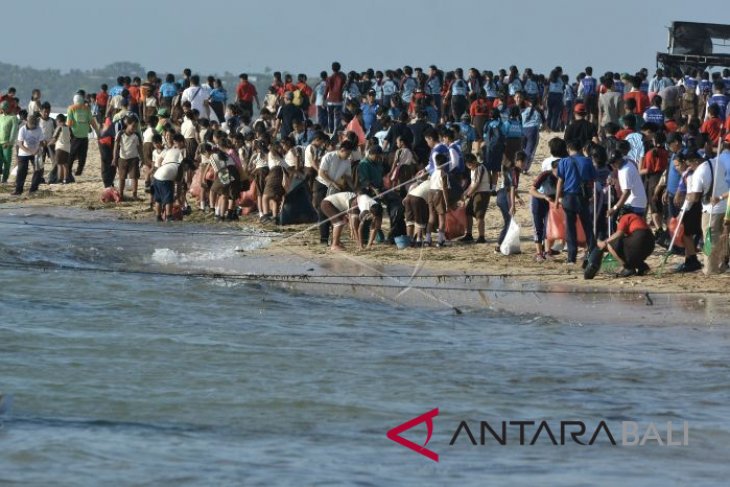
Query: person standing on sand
x,y
335,175
30,138
610,104
8,133
576,176
691,211
333,95
80,121
127,152
246,94
198,97
581,130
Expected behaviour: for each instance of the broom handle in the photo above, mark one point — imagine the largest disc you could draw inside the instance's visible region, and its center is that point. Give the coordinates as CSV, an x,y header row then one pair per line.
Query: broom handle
x,y
595,209
714,169
676,230
608,217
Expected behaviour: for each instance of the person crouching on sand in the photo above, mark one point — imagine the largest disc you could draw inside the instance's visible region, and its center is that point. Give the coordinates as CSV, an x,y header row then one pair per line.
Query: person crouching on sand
x,y
631,243
369,211
335,208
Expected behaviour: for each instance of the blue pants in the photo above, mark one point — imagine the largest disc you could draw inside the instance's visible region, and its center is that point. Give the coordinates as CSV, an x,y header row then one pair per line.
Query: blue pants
x,y
555,111
575,207
437,102
540,209
503,205
322,118
334,117
532,136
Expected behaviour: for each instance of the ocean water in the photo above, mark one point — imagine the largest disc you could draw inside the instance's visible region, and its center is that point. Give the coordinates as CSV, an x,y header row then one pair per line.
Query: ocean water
x,y
112,376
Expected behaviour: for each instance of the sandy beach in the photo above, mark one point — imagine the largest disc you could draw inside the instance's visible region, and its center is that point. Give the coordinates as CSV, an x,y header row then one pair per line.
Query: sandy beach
x,y
476,259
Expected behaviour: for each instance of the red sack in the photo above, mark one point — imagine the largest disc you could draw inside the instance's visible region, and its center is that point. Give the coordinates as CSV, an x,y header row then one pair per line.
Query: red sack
x,y
177,213
195,189
556,226
247,200
455,223
110,195
672,227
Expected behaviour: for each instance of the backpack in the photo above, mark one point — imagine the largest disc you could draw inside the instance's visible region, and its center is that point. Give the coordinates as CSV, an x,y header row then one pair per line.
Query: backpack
x,y
298,100
494,144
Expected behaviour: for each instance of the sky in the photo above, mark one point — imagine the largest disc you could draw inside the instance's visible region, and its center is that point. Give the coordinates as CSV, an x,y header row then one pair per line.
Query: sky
x,y
306,36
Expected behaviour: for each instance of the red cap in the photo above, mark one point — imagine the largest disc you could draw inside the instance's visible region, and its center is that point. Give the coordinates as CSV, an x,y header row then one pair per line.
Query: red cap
x,y
579,108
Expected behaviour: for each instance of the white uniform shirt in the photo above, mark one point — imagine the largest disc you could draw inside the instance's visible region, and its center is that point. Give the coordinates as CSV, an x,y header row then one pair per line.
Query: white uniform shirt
x,y
629,178
335,167
341,200
702,181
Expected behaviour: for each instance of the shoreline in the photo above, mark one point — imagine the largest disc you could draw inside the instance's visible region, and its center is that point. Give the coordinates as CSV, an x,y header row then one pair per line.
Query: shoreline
x,y
465,260
450,287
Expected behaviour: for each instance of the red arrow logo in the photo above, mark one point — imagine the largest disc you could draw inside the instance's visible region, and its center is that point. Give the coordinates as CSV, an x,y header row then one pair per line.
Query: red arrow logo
x,y
394,434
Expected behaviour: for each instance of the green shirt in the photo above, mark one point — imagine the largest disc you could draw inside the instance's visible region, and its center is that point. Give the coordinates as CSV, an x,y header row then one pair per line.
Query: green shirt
x,y
8,128
369,174
79,119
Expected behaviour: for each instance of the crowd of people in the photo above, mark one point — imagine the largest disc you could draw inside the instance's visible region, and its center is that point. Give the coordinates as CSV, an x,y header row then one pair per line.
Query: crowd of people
x,y
632,156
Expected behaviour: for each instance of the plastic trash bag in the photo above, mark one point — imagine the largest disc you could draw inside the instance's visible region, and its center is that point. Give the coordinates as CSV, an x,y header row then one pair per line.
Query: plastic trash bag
x,y
511,243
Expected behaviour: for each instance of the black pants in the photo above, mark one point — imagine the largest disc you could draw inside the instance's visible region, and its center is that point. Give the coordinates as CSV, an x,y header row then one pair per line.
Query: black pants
x,y
577,207
79,150
219,110
635,248
107,171
319,194
396,214
23,162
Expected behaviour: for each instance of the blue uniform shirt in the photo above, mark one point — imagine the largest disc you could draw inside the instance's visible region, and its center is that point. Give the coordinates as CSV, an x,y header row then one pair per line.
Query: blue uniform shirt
x,y
438,149
575,173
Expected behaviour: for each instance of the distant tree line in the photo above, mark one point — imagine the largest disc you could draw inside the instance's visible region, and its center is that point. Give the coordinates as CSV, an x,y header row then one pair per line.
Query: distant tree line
x,y
58,88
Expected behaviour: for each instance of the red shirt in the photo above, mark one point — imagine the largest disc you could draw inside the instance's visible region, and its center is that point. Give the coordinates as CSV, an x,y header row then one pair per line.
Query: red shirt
x,y
289,87
642,100
246,92
656,160
12,104
480,108
304,88
102,98
670,126
414,99
133,94
713,128
335,85
623,133
630,223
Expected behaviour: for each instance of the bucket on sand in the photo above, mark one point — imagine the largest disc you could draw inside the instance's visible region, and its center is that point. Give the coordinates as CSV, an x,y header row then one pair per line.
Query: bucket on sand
x,y
402,242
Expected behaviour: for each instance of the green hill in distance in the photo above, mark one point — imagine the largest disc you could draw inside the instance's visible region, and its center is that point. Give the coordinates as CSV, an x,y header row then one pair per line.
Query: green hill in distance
x,y
58,87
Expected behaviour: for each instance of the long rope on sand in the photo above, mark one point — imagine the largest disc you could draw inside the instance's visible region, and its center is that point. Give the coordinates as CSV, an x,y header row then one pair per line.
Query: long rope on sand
x,y
404,286
304,279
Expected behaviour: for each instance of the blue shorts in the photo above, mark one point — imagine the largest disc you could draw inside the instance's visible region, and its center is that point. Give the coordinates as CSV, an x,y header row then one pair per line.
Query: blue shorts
x,y
163,191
